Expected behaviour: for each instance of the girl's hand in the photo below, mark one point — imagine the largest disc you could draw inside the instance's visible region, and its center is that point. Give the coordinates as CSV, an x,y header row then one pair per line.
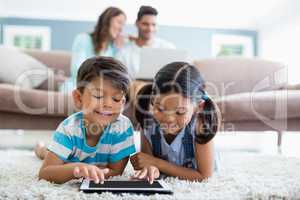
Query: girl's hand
x,y
91,172
141,160
150,173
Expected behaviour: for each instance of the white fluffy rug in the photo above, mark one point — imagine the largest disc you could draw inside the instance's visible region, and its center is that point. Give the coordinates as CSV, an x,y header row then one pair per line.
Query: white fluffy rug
x,y
243,176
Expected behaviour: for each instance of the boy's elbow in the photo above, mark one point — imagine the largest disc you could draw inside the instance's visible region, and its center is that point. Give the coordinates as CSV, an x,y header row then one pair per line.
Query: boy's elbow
x,y
42,175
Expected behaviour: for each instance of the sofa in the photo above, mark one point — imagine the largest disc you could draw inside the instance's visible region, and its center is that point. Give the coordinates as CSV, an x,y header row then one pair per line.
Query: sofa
x,y
54,105
252,94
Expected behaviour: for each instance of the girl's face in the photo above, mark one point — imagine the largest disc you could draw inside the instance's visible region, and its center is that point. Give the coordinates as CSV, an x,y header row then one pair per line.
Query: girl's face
x,y
116,26
100,102
172,111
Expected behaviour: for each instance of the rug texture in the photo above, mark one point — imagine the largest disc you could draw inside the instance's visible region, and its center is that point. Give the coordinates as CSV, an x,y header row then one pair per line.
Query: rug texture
x,y
242,176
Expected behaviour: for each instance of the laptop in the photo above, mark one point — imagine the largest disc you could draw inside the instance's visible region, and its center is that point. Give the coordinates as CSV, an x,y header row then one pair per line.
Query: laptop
x,y
153,59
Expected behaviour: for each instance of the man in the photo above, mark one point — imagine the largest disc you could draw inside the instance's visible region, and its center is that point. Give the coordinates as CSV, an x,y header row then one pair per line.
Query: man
x,y
146,25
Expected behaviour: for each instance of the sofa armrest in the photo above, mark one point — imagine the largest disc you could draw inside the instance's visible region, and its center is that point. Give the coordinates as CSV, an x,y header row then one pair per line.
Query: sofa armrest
x,y
292,87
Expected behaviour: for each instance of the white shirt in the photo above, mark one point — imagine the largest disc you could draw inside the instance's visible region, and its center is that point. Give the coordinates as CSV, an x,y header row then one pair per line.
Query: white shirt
x,y
173,151
129,55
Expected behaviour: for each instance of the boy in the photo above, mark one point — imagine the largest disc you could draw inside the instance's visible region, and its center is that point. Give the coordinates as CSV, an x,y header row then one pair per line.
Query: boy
x,y
96,142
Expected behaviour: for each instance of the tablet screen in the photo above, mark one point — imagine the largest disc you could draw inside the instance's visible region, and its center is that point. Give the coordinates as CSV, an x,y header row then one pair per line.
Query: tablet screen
x,y
125,184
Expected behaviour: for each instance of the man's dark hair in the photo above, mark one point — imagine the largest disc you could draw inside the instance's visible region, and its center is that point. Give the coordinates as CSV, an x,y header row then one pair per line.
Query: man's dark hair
x,y
146,10
107,68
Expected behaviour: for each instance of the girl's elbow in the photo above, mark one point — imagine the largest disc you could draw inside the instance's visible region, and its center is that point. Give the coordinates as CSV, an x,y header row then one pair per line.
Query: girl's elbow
x,y
206,175
202,176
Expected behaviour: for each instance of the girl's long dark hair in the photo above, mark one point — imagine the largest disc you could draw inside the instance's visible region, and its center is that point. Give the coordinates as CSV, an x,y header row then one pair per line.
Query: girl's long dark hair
x,y
185,79
101,31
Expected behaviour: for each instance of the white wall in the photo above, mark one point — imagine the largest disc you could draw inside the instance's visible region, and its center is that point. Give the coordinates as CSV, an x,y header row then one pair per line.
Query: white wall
x,y
195,13
279,38
1,9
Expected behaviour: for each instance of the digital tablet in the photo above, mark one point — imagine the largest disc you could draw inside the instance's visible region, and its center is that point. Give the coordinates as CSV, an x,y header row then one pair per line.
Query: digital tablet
x,y
114,186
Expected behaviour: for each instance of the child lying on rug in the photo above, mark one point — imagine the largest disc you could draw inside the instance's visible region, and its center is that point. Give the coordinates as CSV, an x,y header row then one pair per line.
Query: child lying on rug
x,y
178,122
96,142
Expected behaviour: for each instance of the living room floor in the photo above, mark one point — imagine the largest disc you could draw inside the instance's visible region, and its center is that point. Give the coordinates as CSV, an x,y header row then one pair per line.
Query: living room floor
x,y
251,169
258,142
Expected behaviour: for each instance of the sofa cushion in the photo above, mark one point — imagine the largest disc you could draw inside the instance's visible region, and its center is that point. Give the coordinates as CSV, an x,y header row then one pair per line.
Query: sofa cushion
x,y
263,106
225,76
18,68
58,60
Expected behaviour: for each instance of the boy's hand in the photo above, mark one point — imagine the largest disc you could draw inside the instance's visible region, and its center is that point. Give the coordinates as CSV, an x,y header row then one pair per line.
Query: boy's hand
x,y
150,173
141,160
91,172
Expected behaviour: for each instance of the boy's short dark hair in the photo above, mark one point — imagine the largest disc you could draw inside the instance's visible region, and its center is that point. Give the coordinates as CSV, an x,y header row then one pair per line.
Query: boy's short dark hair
x,y
146,10
107,68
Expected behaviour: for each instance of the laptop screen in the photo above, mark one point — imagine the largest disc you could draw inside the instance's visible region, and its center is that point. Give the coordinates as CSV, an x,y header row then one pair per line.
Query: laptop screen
x,y
153,59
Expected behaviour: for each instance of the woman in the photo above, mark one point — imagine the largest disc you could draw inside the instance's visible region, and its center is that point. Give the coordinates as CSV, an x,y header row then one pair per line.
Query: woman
x,y
105,40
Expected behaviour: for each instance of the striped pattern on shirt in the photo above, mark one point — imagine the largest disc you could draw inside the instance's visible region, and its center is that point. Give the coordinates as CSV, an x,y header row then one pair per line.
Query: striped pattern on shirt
x,y
116,142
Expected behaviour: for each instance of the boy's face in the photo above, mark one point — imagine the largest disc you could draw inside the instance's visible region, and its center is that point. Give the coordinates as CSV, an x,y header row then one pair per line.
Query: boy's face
x,y
100,102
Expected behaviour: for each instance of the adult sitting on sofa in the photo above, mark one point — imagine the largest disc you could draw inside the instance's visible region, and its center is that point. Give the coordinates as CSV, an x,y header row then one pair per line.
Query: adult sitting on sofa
x,y
252,94
103,41
129,55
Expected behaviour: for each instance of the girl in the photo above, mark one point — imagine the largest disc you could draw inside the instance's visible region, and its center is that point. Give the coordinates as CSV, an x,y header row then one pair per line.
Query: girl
x,y
105,40
178,122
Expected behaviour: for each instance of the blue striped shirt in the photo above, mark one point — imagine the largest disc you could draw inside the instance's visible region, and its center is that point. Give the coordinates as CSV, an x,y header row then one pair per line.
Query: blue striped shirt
x,y
116,142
